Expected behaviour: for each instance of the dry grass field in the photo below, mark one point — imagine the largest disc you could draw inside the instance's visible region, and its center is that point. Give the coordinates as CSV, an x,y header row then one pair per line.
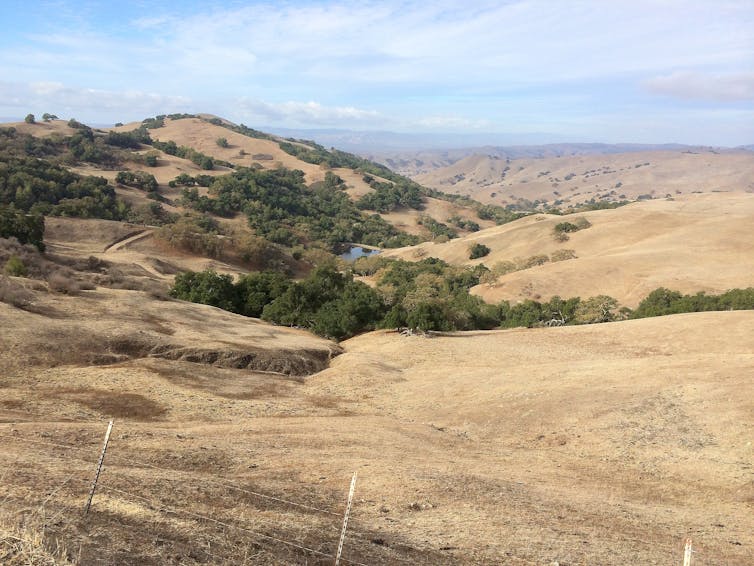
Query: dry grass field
x,y
234,441
599,444
571,180
692,243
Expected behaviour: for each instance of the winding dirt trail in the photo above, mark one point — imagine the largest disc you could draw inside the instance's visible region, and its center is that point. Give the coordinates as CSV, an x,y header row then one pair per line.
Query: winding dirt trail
x,y
127,240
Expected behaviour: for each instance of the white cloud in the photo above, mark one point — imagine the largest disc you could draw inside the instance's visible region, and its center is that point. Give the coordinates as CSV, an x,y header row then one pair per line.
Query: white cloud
x,y
87,103
699,86
310,113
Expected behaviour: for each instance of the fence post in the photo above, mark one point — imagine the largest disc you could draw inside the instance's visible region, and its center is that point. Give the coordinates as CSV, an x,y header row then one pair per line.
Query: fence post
x,y
99,468
345,519
687,553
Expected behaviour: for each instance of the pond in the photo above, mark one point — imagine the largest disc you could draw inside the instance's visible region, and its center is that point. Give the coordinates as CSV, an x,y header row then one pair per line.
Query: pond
x,y
355,252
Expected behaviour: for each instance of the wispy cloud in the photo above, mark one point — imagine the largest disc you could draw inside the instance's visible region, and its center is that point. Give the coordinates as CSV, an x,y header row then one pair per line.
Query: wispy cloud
x,y
311,112
406,64
705,86
65,101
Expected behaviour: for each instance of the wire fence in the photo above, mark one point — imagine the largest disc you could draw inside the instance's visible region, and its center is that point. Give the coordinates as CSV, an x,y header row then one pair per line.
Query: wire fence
x,y
122,466
86,464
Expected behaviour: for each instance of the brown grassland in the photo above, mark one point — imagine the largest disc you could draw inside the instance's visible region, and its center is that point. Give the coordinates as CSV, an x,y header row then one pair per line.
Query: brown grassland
x,y
234,440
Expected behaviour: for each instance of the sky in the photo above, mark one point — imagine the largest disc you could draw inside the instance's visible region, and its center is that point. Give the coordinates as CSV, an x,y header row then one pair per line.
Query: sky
x,y
659,71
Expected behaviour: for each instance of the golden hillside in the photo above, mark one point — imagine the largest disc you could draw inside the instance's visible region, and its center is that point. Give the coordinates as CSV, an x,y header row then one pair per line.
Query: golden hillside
x,y
589,444
570,180
691,243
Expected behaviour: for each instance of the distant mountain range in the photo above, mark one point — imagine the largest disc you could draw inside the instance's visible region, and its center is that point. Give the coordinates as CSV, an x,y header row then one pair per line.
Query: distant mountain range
x,y
509,145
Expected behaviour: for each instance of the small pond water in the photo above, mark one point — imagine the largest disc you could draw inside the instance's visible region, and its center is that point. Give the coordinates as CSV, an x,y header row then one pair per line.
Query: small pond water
x,y
356,252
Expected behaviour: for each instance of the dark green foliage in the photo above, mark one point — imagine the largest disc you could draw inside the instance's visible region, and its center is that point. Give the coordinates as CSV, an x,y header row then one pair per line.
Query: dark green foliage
x,y
437,229
222,142
497,213
150,160
533,313
566,227
81,146
39,187
129,140
171,148
464,224
258,289
76,125
47,117
663,301
281,208
26,228
30,119
478,250
185,180
328,302
312,152
432,295
387,197
206,287
151,123
138,180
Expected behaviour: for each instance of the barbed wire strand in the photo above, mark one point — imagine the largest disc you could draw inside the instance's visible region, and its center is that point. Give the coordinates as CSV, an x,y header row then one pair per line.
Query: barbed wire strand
x,y
112,456
163,508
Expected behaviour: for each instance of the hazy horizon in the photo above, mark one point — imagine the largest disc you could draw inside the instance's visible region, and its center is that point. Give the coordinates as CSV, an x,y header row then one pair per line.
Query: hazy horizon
x,y
639,72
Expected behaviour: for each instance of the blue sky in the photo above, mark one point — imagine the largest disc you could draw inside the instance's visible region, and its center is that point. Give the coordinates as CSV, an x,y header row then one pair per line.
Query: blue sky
x,y
612,70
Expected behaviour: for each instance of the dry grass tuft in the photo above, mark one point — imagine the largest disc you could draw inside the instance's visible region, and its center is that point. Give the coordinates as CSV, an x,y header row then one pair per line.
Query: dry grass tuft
x,y
13,293
25,544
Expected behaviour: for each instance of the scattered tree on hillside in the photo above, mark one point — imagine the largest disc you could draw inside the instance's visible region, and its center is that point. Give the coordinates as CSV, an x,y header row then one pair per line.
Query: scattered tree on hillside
x,y
478,250
30,119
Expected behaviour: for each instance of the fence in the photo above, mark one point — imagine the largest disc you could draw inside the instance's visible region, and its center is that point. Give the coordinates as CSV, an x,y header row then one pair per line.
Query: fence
x,y
167,509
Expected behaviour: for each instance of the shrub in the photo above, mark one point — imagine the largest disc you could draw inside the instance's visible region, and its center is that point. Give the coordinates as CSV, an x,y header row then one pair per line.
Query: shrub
x,y
562,255
222,142
478,250
63,282
15,267
30,119
12,293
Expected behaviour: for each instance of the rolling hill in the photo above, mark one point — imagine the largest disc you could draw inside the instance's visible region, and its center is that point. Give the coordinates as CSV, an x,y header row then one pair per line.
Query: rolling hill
x,y
691,243
235,440
566,180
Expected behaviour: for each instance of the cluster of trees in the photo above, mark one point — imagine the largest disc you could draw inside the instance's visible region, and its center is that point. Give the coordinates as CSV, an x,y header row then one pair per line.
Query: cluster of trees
x,y
663,301
138,180
498,214
562,229
186,180
26,228
129,140
425,295
281,208
171,148
389,196
42,188
464,224
438,230
327,302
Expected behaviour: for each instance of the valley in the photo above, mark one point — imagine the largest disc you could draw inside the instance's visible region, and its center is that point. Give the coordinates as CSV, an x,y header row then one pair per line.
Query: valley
x,y
235,439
